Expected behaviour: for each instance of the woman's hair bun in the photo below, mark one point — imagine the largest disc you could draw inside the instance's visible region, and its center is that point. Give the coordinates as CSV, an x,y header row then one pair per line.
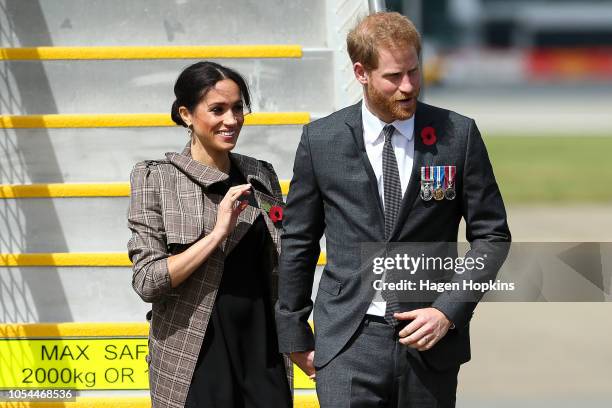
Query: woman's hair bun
x,y
176,117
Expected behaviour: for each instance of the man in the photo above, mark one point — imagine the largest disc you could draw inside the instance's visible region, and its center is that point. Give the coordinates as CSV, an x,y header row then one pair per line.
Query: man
x,y
360,177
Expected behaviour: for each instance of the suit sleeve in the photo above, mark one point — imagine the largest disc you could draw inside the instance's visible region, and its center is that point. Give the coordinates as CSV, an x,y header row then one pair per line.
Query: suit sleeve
x,y
303,225
486,229
147,247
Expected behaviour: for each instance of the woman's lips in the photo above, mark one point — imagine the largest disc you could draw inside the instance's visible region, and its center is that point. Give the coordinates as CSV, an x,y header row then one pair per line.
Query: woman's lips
x,y
227,135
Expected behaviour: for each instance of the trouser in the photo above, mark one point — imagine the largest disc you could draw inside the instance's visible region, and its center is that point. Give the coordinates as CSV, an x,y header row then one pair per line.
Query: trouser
x,y
375,370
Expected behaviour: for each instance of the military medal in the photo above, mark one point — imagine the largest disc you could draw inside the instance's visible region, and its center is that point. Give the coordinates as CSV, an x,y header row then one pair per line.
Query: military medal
x,y
426,183
438,193
449,191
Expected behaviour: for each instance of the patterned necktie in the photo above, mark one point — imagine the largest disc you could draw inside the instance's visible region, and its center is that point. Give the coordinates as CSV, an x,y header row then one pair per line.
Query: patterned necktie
x,y
392,200
391,182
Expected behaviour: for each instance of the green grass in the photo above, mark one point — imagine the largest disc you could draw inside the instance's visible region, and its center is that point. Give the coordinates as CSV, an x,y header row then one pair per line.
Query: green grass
x,y
552,169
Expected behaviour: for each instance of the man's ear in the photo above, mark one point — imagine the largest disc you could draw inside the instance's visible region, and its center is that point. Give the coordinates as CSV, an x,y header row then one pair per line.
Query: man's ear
x,y
185,115
360,73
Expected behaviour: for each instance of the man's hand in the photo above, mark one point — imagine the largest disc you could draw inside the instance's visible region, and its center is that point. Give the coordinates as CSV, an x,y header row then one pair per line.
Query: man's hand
x,y
304,360
428,326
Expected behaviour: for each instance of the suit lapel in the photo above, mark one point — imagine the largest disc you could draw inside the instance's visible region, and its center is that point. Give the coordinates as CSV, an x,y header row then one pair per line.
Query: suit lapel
x,y
355,123
414,186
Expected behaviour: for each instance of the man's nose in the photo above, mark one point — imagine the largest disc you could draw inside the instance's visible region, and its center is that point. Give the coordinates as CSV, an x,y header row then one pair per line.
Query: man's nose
x,y
407,85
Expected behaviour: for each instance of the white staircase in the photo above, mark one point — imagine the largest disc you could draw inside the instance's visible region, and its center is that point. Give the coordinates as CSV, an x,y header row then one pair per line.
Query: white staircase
x,y
78,109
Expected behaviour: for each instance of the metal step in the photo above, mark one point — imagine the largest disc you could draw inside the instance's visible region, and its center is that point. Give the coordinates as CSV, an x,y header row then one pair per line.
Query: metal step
x,y
74,294
161,22
146,86
64,225
88,224
108,154
69,294
51,224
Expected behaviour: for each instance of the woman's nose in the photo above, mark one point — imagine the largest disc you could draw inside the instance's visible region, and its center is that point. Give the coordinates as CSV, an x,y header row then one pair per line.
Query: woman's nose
x,y
230,119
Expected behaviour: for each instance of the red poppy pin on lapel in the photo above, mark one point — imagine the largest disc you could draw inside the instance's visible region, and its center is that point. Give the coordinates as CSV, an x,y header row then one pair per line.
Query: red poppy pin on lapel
x,y
428,136
276,213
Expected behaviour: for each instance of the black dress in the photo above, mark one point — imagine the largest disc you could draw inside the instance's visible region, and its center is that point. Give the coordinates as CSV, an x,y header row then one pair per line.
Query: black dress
x,y
239,364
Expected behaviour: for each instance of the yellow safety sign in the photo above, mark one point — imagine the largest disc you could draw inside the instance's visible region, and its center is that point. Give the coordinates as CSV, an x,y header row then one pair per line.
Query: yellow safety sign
x,y
102,363
78,364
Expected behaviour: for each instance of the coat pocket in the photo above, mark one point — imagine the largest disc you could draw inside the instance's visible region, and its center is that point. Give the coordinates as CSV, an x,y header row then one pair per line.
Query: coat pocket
x,y
330,286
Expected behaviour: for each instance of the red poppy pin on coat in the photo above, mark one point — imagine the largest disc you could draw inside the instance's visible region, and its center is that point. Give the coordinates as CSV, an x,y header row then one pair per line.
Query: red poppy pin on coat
x,y
428,136
276,213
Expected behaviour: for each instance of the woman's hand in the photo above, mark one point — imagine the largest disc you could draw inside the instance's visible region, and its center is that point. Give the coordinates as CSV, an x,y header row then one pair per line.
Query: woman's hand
x,y
305,361
181,266
230,208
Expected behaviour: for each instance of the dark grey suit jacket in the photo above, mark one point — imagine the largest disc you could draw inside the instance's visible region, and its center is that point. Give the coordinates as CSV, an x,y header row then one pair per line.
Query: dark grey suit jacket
x,y
334,191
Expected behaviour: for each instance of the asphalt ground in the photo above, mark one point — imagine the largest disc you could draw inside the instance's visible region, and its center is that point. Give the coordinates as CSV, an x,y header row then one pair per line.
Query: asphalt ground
x,y
546,355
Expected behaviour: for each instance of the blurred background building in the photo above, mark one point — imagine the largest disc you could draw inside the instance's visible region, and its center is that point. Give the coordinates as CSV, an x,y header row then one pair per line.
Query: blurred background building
x,y
548,61
529,41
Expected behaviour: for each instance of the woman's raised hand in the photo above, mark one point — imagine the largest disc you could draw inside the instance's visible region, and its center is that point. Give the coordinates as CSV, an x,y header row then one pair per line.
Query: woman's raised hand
x,y
230,207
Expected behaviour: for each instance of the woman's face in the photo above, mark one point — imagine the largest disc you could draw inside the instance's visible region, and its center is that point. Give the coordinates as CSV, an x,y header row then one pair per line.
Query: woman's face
x,y
218,118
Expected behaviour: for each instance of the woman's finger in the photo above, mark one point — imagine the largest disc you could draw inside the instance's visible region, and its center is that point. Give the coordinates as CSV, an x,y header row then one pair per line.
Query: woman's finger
x,y
234,192
240,205
241,187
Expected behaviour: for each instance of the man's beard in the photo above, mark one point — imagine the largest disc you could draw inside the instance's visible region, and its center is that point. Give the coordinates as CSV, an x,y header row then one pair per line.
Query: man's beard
x,y
390,106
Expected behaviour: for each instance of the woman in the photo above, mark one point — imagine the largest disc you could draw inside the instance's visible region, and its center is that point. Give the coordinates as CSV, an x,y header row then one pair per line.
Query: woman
x,y
204,249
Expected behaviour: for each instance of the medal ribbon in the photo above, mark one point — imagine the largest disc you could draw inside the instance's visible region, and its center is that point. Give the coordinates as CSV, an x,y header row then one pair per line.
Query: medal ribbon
x,y
427,173
449,172
439,175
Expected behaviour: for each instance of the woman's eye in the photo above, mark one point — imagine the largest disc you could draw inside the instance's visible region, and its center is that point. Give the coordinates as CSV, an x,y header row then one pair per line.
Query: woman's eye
x,y
238,108
216,110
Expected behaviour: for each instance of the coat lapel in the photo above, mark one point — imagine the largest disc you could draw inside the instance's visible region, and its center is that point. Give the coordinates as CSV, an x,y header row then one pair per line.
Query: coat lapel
x,y
414,186
199,172
355,124
253,172
262,190
206,176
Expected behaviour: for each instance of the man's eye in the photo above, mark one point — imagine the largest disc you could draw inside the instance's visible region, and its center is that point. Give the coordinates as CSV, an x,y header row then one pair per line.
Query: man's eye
x,y
394,77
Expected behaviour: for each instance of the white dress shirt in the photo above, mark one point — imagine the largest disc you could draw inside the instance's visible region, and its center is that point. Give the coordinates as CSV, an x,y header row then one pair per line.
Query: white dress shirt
x,y
403,146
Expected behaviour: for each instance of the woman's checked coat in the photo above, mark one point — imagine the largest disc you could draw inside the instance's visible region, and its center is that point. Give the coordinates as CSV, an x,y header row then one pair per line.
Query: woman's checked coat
x,y
170,209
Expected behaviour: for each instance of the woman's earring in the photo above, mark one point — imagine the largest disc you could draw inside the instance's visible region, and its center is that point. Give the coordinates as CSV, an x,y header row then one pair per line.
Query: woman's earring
x,y
190,131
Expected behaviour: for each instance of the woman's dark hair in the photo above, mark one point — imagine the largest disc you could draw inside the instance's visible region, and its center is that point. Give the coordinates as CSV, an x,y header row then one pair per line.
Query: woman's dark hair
x,y
196,80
